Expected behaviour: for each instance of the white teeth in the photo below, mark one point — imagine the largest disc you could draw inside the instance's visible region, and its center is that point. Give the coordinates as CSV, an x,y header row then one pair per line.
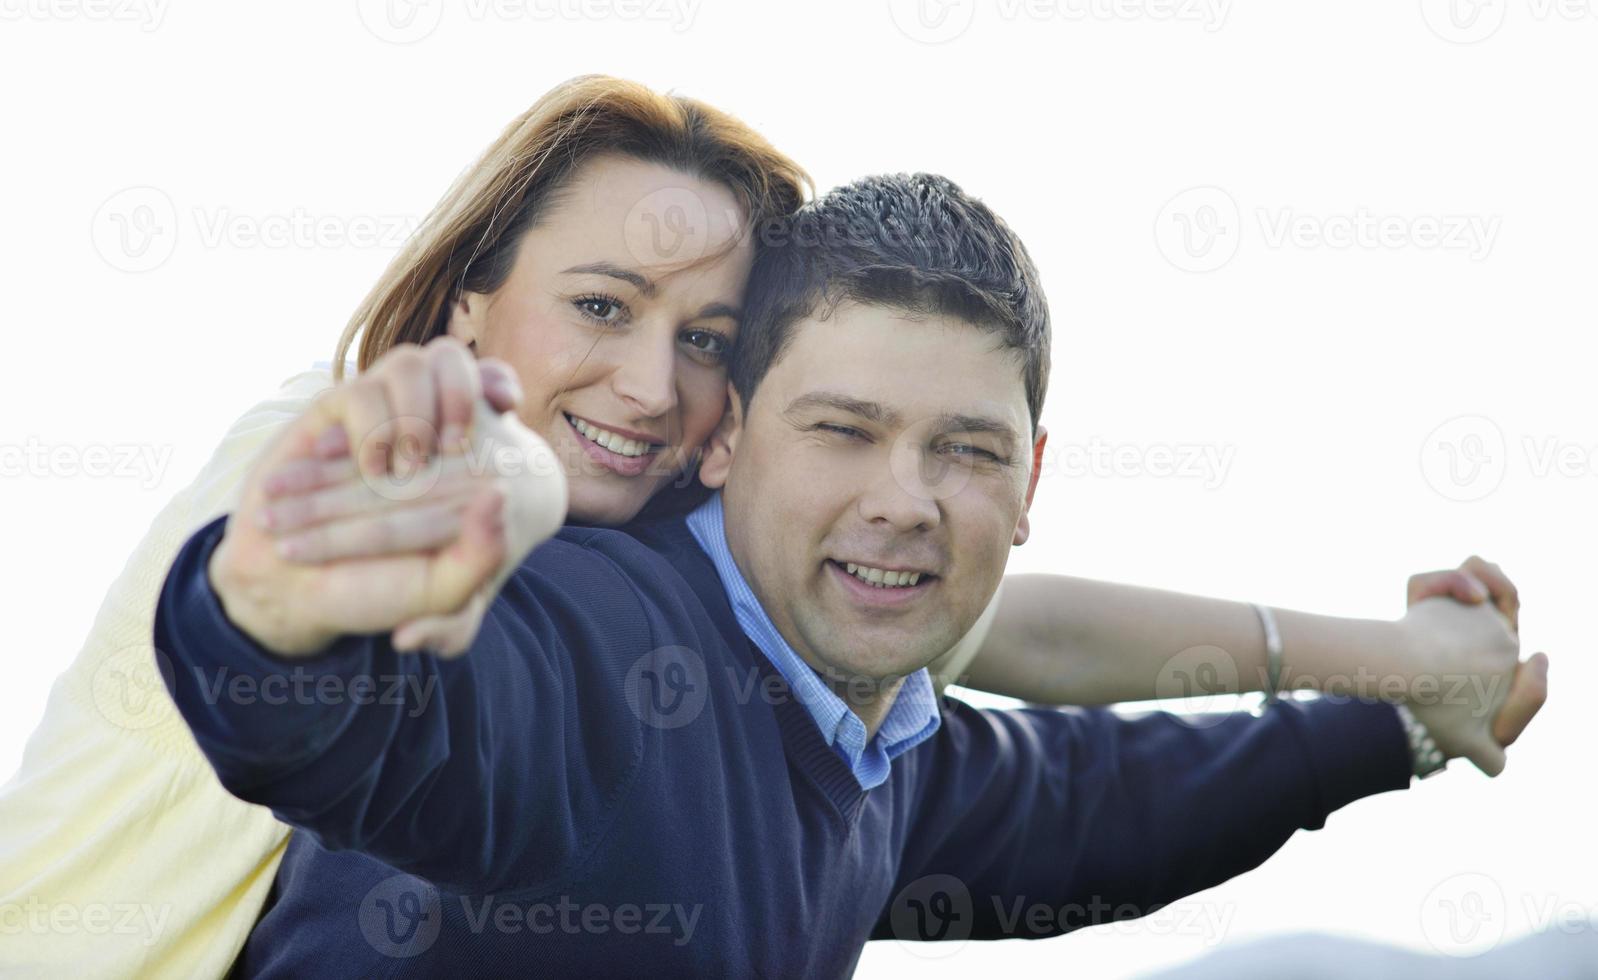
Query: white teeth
x,y
882,579
620,445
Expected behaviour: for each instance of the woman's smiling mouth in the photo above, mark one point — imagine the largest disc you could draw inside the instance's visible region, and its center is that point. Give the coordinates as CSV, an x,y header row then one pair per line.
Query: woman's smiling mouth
x,y
622,452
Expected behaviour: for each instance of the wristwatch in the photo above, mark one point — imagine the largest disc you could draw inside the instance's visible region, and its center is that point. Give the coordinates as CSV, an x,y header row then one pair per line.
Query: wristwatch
x,y
1426,759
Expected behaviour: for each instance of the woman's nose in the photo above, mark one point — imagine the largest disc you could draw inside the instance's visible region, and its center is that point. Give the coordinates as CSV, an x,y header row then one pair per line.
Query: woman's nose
x,y
646,378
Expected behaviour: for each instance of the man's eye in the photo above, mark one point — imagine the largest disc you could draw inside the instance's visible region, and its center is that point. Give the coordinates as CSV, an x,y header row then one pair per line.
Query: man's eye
x,y
601,308
840,430
970,451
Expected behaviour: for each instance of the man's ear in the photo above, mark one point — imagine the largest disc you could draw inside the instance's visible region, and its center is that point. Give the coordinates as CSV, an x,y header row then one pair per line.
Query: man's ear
x,y
468,317
1023,529
717,461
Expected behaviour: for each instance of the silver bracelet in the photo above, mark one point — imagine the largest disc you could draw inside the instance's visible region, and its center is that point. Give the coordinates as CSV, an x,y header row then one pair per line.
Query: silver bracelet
x,y
1273,657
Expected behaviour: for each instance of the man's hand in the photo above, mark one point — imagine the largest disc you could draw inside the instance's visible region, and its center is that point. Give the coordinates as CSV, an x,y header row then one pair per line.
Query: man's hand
x,y
462,527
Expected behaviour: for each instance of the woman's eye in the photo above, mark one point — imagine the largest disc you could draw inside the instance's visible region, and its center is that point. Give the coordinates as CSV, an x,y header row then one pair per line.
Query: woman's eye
x,y
601,308
706,343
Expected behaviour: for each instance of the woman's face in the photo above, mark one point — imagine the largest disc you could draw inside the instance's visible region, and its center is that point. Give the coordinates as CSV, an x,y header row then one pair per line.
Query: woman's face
x,y
619,337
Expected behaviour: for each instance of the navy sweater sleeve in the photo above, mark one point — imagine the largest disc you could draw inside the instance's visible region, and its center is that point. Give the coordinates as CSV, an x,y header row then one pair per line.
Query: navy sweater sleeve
x,y
1036,822
497,770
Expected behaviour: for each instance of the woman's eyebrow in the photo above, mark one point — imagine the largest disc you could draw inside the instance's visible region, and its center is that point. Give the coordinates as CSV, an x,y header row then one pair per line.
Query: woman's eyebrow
x,y
718,309
642,284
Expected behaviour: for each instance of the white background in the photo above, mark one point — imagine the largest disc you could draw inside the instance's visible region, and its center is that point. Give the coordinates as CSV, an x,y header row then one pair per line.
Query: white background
x,y
1330,375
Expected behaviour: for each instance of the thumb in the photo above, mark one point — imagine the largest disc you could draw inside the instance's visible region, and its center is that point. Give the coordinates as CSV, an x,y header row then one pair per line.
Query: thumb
x,y
473,558
1488,756
1527,693
448,635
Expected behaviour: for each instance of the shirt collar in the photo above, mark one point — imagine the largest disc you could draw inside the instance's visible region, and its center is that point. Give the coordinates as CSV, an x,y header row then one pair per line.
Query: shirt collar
x,y
913,717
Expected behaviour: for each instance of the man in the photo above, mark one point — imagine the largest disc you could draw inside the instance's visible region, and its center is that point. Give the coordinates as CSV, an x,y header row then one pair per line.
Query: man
x,y
714,748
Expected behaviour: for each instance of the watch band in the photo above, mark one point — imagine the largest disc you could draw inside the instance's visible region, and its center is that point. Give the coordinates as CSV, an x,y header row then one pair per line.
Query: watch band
x,y
1426,759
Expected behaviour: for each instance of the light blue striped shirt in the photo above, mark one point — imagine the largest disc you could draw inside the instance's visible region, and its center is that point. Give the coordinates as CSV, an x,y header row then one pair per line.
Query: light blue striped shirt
x,y
912,719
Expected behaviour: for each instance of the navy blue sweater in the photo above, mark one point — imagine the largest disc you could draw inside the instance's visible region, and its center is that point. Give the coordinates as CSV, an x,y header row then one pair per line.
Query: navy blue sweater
x,y
614,781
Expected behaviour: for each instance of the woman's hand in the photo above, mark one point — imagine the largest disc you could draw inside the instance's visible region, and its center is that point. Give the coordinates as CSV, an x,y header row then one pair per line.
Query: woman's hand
x,y
471,490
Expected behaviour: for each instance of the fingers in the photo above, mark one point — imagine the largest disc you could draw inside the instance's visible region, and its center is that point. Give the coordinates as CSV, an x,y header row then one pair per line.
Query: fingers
x,y
501,386
474,557
311,492
415,528
1528,692
307,475
412,431
1505,596
455,378
1456,583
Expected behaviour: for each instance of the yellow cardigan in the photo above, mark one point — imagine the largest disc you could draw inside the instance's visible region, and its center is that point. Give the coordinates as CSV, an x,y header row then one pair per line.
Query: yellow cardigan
x,y
121,855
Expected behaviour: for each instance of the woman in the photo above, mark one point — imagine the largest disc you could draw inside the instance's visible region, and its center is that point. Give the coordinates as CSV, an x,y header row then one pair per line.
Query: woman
x,y
533,257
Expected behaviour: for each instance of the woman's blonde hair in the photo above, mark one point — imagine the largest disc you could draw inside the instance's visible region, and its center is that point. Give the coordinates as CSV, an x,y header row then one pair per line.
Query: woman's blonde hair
x,y
469,240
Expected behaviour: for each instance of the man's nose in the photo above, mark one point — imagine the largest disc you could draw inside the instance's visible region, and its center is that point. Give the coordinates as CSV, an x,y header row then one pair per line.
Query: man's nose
x,y
898,494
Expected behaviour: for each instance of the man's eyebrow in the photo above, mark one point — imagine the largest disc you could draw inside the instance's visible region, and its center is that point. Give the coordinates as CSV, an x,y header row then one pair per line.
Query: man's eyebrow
x,y
614,271
977,424
868,410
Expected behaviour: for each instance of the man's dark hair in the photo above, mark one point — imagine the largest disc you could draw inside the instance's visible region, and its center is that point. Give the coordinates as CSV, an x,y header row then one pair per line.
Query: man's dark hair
x,y
915,242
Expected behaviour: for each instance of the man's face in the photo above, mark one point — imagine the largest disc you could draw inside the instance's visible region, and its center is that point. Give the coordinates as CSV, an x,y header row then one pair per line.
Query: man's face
x,y
880,448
